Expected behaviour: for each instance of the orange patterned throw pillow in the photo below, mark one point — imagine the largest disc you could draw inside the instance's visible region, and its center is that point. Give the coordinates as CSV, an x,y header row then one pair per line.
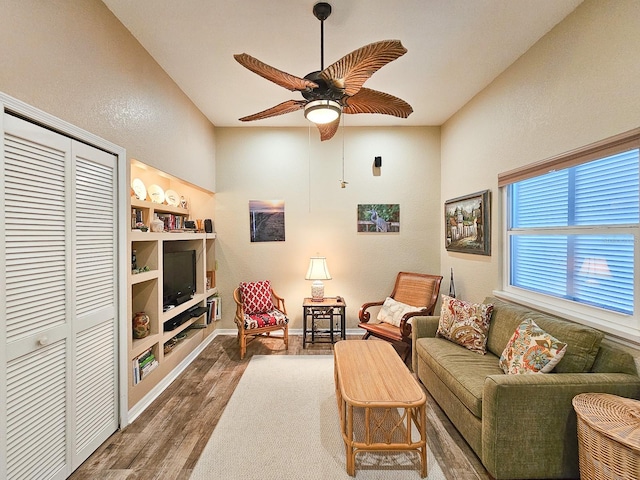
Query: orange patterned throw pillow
x,y
256,297
531,350
465,323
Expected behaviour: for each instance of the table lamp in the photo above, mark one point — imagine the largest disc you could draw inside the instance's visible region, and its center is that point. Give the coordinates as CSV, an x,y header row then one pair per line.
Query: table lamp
x,y
317,272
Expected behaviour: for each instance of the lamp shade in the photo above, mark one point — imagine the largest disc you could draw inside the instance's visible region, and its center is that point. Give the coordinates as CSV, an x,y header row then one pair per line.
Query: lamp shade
x,y
322,111
318,269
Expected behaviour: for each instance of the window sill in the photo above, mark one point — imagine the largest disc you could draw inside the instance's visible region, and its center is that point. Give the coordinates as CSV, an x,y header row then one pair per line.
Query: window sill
x,y
624,329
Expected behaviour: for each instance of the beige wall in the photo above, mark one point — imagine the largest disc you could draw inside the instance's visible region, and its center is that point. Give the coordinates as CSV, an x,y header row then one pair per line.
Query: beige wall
x,y
320,217
577,85
75,60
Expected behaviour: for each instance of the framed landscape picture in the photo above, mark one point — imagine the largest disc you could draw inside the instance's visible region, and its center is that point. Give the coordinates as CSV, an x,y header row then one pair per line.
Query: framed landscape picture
x,y
467,222
266,220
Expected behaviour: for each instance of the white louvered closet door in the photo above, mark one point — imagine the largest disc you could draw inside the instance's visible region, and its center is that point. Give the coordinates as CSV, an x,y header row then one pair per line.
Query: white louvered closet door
x,y
60,331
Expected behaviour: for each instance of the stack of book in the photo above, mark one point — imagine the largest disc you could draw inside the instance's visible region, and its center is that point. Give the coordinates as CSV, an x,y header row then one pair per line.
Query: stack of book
x,y
143,365
172,222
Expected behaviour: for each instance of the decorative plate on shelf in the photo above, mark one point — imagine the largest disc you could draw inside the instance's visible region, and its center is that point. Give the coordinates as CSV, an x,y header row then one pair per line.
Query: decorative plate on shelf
x,y
156,193
139,189
172,198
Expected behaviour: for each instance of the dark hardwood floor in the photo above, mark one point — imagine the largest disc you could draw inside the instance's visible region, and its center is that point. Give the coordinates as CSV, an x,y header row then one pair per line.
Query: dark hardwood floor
x,y
166,440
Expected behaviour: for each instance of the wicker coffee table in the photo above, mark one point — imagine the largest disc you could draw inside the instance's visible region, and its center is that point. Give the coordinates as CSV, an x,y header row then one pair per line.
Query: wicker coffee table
x,y
373,384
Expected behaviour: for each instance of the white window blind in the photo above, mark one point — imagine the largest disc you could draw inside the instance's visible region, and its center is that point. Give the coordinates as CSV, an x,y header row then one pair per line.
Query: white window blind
x,y
572,233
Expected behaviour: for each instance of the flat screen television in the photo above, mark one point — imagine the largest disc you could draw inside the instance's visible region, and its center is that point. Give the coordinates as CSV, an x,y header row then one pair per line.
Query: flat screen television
x,y
179,277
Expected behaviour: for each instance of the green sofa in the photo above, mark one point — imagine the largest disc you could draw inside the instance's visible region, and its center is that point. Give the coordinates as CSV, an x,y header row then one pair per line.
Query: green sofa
x,y
520,426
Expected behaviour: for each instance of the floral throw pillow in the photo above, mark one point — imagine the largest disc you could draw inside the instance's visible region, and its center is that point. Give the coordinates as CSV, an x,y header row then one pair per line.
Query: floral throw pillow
x,y
531,350
392,311
256,297
465,323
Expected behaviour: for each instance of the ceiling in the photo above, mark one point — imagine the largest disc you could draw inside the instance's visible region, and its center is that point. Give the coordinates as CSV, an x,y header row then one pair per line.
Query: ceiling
x,y
455,49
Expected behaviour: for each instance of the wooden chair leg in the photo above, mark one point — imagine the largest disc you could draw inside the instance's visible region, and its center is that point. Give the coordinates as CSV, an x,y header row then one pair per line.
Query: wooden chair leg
x,y
243,345
366,335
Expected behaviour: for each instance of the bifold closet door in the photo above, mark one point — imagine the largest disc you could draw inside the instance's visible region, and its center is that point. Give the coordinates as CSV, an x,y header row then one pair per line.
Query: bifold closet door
x,y
59,325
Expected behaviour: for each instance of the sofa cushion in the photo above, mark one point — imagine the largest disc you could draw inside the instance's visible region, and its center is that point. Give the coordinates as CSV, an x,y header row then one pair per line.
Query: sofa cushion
x,y
465,323
256,297
613,358
392,311
582,342
462,370
531,350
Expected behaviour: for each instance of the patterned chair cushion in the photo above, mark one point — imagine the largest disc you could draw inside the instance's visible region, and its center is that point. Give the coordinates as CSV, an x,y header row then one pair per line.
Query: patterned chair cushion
x,y
258,320
256,297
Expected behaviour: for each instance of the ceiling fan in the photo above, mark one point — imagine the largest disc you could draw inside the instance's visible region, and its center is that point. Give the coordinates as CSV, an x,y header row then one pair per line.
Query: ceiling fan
x,y
336,89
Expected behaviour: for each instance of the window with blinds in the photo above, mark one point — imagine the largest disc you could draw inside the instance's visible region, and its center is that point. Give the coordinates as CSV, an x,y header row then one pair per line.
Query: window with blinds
x,y
572,233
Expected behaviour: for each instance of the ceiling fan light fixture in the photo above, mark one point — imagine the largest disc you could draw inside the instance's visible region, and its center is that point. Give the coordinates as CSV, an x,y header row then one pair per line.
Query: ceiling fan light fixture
x,y
322,111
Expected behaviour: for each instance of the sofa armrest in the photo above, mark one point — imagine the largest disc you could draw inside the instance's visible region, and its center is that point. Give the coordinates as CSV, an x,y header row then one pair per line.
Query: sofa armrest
x,y
424,326
537,410
421,326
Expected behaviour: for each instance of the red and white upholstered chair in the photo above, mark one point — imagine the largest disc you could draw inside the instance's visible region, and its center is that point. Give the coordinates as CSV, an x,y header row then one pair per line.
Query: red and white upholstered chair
x,y
259,311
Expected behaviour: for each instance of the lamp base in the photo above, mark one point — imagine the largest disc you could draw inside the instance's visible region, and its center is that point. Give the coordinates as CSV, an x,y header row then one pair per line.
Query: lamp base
x,y
317,291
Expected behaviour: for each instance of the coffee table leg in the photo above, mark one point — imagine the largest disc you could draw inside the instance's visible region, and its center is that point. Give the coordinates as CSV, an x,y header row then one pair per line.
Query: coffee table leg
x,y
351,461
423,437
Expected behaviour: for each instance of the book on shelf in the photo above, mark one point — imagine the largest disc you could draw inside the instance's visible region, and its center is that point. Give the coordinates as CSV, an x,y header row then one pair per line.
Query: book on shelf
x,y
136,217
143,364
148,368
214,309
211,309
147,361
136,371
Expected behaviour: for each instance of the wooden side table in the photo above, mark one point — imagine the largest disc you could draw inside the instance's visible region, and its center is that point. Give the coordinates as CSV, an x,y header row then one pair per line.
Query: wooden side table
x,y
331,310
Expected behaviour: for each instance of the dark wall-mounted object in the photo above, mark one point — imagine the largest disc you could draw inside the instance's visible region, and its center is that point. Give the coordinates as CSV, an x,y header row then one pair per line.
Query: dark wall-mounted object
x,y
377,162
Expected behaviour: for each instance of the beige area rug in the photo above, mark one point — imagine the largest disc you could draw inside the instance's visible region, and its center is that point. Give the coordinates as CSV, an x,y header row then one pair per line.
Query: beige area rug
x,y
282,422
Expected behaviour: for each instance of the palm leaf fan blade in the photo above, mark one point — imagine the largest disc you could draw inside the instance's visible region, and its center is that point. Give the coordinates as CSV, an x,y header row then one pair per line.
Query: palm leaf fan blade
x,y
280,109
286,80
351,71
328,130
373,101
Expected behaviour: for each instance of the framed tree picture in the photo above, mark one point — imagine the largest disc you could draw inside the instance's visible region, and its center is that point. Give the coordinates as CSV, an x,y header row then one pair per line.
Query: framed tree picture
x,y
467,223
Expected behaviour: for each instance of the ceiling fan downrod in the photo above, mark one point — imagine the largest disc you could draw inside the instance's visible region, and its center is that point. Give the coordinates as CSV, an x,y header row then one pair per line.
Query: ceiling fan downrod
x,y
322,10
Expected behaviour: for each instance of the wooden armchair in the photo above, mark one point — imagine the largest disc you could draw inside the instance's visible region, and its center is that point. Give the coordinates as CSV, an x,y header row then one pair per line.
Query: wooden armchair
x,y
259,311
413,294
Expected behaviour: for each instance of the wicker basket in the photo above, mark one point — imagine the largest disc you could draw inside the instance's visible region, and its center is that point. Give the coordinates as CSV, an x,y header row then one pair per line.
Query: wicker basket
x,y
608,436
